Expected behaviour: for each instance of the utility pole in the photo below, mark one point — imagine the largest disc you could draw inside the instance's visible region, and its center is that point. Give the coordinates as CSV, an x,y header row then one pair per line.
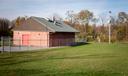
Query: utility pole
x,y
109,33
110,27
126,24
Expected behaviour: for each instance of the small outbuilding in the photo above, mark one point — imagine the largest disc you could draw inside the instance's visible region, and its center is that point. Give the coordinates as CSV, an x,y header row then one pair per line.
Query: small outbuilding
x,y
36,31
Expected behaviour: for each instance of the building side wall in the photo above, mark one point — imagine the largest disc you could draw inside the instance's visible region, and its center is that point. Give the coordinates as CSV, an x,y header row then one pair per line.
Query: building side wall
x,y
62,39
35,38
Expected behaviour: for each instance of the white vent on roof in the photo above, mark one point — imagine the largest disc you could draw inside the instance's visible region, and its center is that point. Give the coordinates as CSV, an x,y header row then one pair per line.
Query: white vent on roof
x,y
54,19
55,22
26,17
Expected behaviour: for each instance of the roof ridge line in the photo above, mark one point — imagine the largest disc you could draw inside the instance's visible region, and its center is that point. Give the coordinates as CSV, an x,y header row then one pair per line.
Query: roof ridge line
x,y
42,23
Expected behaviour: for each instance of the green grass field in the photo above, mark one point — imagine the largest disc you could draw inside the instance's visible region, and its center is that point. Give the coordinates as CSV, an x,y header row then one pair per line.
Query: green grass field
x,y
86,60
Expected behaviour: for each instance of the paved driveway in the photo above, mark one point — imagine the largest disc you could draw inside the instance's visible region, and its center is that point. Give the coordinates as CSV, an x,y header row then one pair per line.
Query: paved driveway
x,y
22,48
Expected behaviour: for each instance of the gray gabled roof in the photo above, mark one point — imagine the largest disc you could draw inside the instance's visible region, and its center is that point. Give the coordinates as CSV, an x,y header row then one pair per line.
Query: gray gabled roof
x,y
58,26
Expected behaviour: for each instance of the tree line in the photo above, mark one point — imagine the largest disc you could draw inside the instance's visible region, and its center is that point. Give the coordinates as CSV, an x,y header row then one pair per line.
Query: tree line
x,y
6,26
86,23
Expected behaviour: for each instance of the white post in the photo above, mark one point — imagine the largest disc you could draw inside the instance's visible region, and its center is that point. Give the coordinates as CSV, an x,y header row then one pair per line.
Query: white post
x,y
110,28
109,33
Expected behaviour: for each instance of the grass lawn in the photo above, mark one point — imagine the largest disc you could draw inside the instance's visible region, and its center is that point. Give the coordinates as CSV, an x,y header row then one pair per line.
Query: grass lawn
x,y
86,60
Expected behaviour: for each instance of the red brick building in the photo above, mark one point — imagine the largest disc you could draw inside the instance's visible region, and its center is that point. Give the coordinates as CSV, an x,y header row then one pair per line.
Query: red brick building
x,y
36,31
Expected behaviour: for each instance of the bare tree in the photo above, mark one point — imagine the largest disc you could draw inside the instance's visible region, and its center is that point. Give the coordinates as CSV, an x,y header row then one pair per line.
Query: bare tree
x,y
123,19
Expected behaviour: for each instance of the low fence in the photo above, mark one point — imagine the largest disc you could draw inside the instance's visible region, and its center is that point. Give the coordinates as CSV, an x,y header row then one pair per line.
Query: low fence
x,y
10,44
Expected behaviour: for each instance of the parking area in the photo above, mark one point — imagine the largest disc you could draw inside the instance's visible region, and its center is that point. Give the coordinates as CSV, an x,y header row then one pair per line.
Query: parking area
x,y
22,48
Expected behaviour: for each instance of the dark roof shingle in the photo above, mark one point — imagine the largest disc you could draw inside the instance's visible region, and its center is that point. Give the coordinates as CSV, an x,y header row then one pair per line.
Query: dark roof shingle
x,y
40,24
59,26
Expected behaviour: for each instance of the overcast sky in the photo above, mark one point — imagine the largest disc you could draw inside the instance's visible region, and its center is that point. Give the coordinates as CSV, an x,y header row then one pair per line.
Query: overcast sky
x,y
45,8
